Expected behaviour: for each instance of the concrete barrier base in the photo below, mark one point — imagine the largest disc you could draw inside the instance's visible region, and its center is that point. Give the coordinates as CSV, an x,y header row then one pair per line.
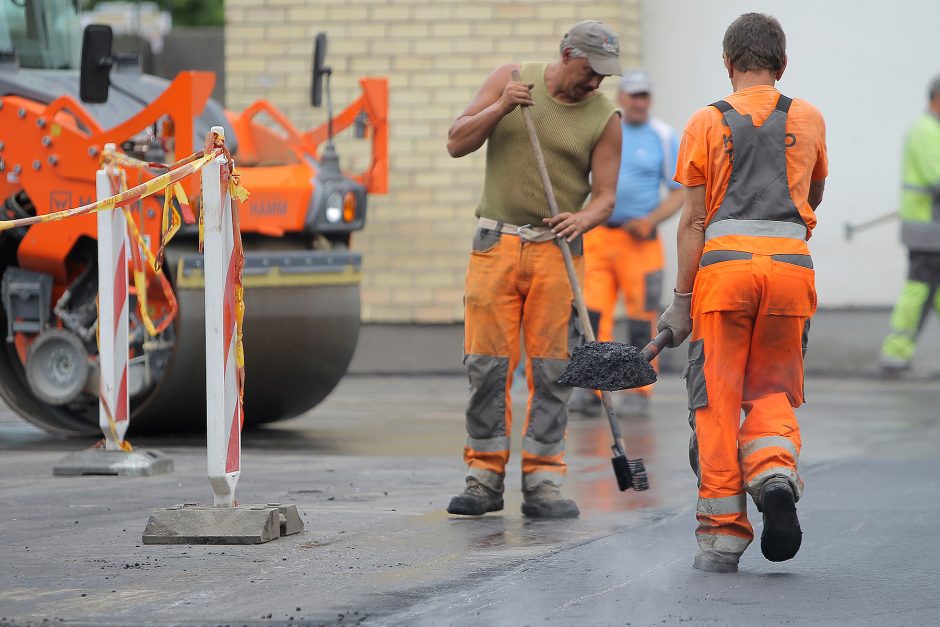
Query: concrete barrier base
x,y
204,524
99,461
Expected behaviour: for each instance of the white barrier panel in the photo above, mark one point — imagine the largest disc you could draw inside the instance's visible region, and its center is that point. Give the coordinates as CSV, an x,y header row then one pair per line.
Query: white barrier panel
x,y
112,318
117,456
224,522
223,402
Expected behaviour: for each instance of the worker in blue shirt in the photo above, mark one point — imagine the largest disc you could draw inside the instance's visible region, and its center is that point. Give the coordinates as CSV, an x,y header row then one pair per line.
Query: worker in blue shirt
x,y
625,256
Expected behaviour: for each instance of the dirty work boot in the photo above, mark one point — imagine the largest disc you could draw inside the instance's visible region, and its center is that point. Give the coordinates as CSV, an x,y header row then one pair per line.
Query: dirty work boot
x,y
716,561
781,537
475,500
585,402
545,501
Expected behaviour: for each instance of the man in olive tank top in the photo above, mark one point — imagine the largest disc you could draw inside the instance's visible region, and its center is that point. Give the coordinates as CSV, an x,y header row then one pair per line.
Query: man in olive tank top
x,y
516,277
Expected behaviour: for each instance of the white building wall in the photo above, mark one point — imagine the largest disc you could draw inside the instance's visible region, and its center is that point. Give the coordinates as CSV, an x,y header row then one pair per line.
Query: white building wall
x,y
865,64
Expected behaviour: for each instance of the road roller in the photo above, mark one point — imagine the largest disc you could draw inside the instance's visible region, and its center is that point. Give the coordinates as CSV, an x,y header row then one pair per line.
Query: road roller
x,y
63,96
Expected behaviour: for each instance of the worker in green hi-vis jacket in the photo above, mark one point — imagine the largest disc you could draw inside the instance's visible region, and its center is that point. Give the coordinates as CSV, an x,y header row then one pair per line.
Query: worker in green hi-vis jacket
x,y
920,232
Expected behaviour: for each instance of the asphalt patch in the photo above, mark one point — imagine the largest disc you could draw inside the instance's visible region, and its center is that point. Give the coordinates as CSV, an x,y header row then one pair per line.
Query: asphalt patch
x,y
607,366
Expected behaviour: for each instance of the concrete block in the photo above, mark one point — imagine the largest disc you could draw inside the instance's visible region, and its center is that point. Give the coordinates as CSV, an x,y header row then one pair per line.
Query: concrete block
x,y
99,461
289,519
203,524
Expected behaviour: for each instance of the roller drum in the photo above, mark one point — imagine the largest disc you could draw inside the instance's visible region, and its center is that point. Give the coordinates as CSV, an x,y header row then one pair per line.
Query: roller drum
x,y
301,328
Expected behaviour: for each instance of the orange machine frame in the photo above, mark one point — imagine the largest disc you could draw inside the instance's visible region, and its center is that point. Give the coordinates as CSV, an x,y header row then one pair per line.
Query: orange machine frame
x,y
57,149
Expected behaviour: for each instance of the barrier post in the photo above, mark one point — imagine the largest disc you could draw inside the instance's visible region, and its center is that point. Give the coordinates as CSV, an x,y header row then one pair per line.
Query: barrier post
x,y
113,403
223,406
224,522
117,457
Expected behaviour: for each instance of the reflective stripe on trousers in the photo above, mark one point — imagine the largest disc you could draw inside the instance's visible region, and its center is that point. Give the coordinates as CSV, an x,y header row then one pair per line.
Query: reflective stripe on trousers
x,y
513,284
746,354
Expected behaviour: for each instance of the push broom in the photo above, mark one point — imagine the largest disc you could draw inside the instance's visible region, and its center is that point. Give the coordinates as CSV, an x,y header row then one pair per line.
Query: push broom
x,y
629,473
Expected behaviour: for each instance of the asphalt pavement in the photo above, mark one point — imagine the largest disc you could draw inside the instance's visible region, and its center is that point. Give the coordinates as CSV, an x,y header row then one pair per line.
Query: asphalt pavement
x,y
371,470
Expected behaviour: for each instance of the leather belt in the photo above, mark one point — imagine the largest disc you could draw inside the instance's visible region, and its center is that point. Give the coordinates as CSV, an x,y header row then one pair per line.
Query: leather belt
x,y
526,233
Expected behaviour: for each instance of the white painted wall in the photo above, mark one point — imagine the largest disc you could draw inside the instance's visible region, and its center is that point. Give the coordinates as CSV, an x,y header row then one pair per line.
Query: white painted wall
x,y
865,64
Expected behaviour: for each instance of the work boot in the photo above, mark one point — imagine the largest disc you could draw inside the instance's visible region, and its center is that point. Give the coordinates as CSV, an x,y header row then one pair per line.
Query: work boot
x,y
475,500
633,404
712,561
545,501
585,402
893,367
781,537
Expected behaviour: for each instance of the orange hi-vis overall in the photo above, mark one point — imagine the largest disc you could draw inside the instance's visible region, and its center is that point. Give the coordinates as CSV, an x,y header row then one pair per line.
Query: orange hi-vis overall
x,y
616,260
752,301
516,277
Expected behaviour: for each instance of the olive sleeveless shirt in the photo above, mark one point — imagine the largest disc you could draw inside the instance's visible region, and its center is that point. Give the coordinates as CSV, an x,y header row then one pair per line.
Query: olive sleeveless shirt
x,y
512,189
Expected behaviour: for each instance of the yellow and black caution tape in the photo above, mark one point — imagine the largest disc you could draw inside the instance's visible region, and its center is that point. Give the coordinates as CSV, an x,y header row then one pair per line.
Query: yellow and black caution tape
x,y
122,199
170,224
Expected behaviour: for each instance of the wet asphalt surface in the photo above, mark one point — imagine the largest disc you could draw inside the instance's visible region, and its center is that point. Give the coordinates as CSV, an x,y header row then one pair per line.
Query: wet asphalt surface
x,y
371,470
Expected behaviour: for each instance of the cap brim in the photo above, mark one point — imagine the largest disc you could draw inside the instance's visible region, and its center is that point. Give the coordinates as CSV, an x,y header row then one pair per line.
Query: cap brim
x,y
607,66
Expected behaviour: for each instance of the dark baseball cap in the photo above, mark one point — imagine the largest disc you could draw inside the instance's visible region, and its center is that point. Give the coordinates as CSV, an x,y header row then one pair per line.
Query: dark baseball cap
x,y
601,44
934,88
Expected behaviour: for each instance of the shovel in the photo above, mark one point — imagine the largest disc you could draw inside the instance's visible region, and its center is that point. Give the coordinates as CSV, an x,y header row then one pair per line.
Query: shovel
x,y
630,473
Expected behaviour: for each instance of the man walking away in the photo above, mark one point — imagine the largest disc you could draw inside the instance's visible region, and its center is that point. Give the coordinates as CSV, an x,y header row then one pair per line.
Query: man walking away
x,y
754,167
516,277
625,254
920,232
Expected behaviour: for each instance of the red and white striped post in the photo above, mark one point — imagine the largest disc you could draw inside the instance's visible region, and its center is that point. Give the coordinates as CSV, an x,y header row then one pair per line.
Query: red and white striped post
x,y
117,457
224,523
223,402
112,317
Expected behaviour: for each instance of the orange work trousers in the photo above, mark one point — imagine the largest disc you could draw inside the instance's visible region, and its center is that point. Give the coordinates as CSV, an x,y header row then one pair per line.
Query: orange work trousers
x,y
617,262
511,284
750,318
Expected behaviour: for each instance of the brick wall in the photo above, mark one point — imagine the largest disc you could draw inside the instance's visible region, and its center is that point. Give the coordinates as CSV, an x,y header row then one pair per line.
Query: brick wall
x,y
435,54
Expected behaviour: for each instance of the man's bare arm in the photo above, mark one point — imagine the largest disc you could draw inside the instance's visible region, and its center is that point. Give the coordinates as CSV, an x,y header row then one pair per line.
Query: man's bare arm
x,y
498,95
605,166
643,227
816,189
691,237
668,207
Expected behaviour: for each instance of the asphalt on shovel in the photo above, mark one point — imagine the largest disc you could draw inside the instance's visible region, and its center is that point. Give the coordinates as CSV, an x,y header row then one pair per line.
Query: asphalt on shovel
x,y
630,473
613,366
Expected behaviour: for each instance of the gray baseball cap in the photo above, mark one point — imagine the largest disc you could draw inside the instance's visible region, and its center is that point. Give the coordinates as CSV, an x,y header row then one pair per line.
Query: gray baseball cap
x,y
636,82
601,44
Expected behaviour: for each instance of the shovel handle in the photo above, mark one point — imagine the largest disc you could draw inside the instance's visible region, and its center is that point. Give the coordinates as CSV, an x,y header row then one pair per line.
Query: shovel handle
x,y
661,341
553,207
852,229
588,330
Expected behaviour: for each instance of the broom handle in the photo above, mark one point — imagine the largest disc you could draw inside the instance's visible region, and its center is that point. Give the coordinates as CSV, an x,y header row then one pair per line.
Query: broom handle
x,y
569,266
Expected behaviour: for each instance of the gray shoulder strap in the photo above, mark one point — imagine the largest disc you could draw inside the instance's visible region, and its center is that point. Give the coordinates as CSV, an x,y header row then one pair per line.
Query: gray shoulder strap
x,y
722,106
